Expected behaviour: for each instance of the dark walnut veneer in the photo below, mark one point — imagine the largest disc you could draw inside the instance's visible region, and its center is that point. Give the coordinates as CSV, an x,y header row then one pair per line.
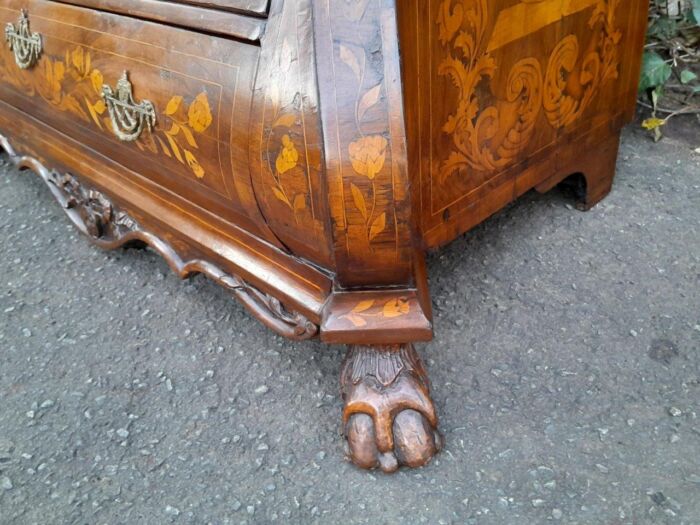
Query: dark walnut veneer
x,y
305,154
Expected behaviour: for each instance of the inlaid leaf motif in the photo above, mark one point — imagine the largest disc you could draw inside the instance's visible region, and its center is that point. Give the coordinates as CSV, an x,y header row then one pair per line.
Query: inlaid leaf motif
x,y
173,105
363,306
285,121
299,202
97,80
378,226
93,112
164,147
174,147
359,200
281,196
356,320
189,137
350,59
396,308
285,56
368,100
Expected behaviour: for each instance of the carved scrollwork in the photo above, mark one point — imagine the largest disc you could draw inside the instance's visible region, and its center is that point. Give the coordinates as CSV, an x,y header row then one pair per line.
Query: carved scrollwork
x,y
109,227
25,45
99,217
129,118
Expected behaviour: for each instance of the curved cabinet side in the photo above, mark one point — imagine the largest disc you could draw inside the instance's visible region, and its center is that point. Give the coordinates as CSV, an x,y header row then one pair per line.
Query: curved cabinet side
x,y
285,151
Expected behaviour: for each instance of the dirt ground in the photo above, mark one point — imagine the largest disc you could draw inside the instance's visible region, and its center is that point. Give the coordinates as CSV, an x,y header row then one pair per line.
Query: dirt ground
x,y
566,370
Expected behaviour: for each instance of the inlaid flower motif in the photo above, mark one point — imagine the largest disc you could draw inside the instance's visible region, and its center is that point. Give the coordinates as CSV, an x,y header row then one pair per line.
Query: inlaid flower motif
x,y
288,156
80,61
54,73
199,115
396,307
368,155
97,80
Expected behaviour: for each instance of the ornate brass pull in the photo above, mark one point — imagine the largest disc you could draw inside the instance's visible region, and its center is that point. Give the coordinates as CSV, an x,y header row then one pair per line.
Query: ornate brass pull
x,y
128,118
25,45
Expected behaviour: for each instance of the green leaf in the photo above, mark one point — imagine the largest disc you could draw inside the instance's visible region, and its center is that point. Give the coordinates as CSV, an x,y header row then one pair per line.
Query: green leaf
x,y
655,71
687,76
695,15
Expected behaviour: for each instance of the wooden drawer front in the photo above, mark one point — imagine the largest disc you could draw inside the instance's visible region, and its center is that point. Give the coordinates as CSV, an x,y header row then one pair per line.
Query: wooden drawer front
x,y
199,87
257,7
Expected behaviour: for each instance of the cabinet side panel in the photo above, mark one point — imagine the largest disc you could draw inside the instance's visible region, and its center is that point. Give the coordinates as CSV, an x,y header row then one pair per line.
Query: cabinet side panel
x,y
497,87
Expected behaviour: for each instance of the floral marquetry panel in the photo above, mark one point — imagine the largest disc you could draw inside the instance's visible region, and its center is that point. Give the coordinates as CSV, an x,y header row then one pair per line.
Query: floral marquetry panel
x,y
365,144
190,144
286,164
493,84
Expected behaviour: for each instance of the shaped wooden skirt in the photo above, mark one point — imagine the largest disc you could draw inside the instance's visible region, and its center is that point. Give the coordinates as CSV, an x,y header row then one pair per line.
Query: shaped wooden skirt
x,y
305,154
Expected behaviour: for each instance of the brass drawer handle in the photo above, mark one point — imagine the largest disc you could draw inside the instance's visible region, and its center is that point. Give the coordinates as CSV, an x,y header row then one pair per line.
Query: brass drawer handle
x,y
25,45
128,118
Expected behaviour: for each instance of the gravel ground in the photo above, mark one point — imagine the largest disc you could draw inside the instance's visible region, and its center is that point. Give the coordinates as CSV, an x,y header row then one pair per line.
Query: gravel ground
x,y
566,369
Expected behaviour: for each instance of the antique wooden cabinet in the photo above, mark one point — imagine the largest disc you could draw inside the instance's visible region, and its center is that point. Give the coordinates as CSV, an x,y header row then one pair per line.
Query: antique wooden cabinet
x,y
304,154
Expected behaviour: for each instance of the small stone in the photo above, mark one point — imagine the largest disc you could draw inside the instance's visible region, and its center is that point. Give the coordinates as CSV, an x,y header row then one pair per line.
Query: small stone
x,y
250,509
47,404
168,385
30,414
236,438
465,502
26,332
262,389
675,412
236,506
633,333
226,440
675,438
271,487
602,468
557,514
263,446
5,483
123,433
172,511
210,373
658,498
537,502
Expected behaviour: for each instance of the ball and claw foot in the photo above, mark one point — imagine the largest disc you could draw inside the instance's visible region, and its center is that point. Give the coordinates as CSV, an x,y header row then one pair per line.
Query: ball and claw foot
x,y
389,419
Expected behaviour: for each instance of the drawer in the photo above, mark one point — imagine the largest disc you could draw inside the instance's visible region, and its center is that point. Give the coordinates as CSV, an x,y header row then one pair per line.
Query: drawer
x,y
256,7
240,19
169,104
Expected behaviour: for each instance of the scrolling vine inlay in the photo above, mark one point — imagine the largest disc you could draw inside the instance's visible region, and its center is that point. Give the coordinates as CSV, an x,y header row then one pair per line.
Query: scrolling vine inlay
x,y
490,138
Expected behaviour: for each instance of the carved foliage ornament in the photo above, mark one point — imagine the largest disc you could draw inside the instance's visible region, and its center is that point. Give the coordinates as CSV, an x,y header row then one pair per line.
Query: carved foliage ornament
x,y
110,228
25,45
490,138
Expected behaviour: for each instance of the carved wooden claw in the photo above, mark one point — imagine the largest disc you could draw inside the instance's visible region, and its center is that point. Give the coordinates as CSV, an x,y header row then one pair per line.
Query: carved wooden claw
x,y
389,418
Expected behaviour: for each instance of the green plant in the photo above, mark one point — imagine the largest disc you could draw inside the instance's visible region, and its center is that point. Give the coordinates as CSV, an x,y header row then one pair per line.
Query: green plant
x,y
670,76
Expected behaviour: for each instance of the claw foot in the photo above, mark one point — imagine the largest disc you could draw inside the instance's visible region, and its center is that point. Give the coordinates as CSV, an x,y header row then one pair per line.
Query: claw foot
x,y
389,419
